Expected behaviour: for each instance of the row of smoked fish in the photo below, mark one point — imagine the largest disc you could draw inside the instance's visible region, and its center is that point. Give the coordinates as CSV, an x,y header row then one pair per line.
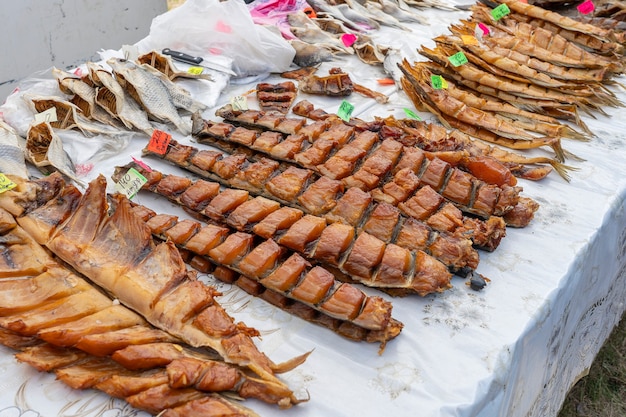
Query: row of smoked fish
x,y
299,211
526,76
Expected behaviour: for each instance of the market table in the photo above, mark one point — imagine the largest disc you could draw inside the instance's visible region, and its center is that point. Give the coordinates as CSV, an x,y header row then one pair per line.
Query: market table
x,y
556,290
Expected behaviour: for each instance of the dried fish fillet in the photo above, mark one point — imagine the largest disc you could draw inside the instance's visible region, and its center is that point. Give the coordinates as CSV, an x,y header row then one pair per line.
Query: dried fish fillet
x,y
151,280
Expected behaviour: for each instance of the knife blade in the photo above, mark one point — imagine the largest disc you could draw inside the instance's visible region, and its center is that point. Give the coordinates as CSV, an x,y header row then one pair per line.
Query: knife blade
x,y
197,60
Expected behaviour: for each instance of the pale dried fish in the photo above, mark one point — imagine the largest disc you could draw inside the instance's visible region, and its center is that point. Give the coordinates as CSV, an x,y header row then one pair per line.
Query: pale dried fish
x,y
84,96
117,102
309,55
44,149
164,64
149,91
11,152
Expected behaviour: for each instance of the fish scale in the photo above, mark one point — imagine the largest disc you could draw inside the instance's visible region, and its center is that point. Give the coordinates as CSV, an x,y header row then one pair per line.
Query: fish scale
x,y
11,153
150,92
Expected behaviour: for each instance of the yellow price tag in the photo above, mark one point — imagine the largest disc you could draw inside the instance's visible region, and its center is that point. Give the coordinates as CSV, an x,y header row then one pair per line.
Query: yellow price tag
x,y
6,184
195,70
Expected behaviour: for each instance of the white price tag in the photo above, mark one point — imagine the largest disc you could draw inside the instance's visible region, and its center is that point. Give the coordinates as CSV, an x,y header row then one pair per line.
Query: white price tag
x,y
49,116
239,103
130,183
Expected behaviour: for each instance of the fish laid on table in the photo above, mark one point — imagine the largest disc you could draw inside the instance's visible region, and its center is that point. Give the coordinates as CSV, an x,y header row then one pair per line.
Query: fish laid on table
x,y
394,9
494,165
116,251
448,107
12,148
180,97
165,64
44,149
149,91
314,146
312,34
325,197
68,115
84,96
117,102
242,242
335,245
308,55
74,324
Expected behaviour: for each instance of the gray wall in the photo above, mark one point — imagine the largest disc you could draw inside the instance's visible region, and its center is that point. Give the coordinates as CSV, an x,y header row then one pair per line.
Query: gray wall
x,y
38,34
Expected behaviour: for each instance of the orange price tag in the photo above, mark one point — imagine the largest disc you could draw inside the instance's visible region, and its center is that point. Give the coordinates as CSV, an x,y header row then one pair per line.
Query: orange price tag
x,y
159,141
469,40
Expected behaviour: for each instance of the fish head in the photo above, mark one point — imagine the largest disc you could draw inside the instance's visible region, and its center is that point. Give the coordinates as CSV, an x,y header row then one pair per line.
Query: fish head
x,y
121,65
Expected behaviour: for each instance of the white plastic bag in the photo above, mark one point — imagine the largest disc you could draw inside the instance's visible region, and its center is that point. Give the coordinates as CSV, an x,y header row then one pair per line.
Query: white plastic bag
x,y
209,28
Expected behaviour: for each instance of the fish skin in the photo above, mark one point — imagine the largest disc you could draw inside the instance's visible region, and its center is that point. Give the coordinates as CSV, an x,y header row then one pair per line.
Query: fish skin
x,y
74,117
44,148
181,98
150,92
72,84
127,110
309,55
12,152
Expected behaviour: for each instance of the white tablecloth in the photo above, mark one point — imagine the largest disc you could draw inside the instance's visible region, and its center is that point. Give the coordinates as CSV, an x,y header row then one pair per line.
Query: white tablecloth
x,y
514,349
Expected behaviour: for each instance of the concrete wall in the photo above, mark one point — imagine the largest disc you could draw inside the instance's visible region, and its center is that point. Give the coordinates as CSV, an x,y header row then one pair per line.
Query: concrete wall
x,y
38,34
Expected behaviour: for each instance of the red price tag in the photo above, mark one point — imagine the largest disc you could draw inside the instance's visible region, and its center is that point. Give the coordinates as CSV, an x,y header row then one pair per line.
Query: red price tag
x,y
159,142
586,7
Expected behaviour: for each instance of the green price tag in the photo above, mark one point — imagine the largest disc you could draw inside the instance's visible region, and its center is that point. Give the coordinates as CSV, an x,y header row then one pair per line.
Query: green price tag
x,y
130,183
500,11
195,70
239,103
458,59
345,110
6,184
438,82
411,114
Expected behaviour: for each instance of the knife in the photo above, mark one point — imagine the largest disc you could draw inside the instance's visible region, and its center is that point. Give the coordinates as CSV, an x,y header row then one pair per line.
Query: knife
x,y
197,60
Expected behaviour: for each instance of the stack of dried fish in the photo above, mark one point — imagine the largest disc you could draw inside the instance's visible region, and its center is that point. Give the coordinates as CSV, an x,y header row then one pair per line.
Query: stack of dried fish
x,y
131,95
356,156
169,347
491,164
343,27
517,77
375,192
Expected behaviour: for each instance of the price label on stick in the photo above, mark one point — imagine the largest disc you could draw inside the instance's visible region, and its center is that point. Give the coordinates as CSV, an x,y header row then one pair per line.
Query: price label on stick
x,y
469,40
500,11
239,103
586,7
481,30
458,59
130,183
411,114
159,142
438,82
49,116
345,110
6,184
195,70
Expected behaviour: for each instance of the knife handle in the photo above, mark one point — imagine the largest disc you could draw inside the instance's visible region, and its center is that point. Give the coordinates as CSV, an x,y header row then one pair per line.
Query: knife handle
x,y
182,56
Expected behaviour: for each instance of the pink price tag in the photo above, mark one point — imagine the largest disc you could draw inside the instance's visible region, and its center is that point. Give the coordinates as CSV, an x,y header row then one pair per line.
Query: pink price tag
x,y
78,71
586,7
484,28
141,164
348,39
